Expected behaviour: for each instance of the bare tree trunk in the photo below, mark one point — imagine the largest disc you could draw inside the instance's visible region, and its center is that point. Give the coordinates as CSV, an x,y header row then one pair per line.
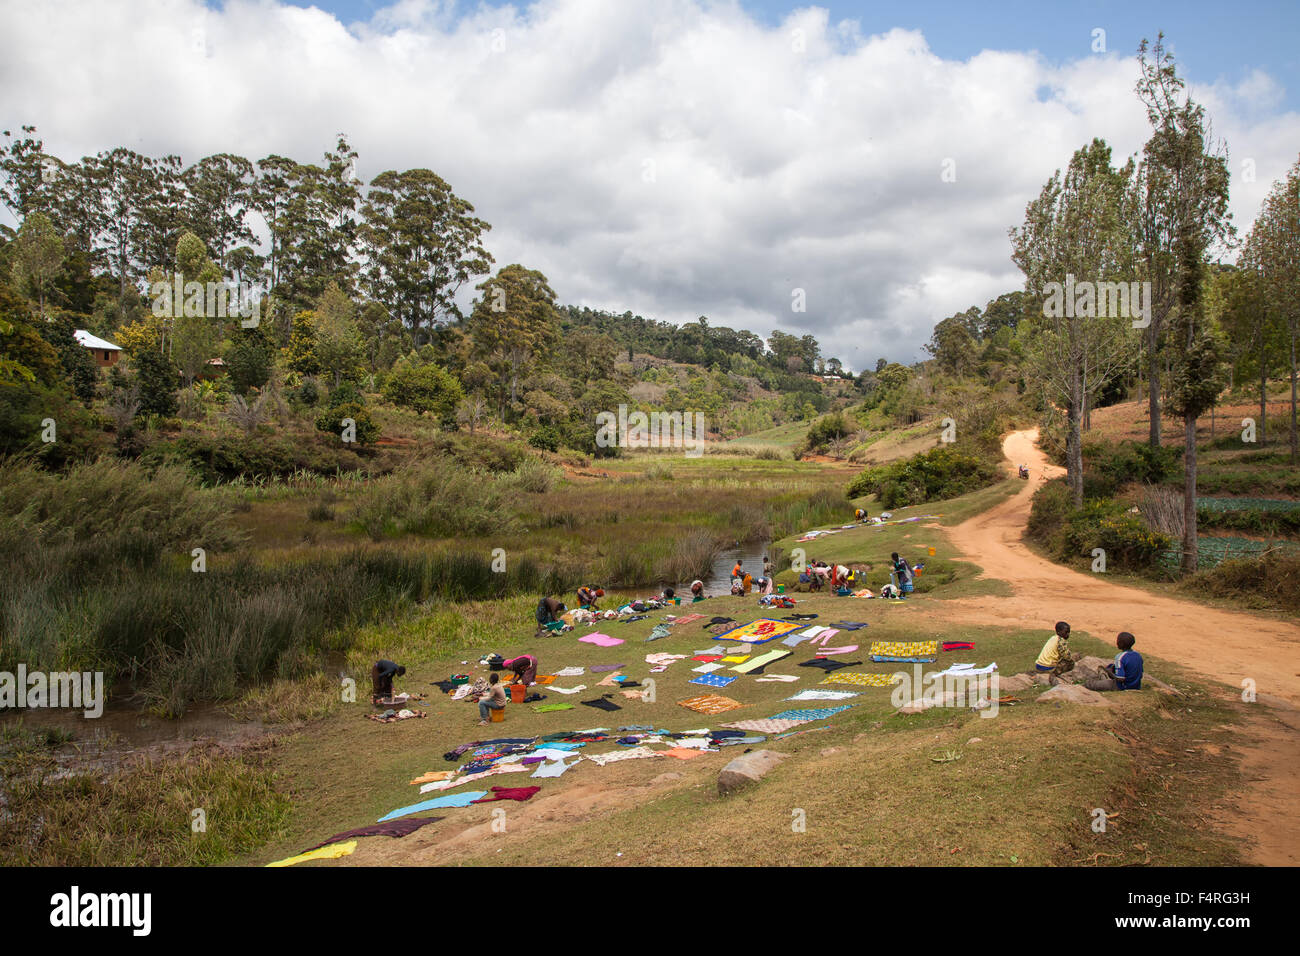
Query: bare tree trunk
x,y
1189,494
1074,441
1153,389
1263,399
1295,447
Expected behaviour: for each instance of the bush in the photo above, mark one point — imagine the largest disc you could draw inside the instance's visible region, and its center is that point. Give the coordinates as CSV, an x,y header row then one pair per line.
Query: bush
x,y
823,432
437,497
1048,512
1108,467
932,476
218,458
332,420
1269,581
1069,533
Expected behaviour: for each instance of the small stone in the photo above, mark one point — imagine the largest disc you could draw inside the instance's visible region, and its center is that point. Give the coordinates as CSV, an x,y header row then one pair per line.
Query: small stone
x,y
827,751
975,740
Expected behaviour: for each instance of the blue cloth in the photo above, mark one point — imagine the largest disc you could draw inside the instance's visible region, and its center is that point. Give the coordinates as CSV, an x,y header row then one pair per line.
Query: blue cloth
x,y
455,800
713,680
1128,671
811,713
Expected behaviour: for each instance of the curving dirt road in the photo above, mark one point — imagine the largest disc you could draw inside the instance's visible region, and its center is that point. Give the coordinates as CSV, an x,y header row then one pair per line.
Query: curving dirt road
x,y
1226,645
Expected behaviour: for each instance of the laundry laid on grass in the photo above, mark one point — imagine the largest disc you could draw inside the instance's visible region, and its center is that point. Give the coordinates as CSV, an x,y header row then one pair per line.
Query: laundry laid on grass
x,y
858,679
394,828
769,726
713,680
710,704
906,652
828,665
814,713
454,800
391,716
600,640
760,631
761,661
813,694
324,853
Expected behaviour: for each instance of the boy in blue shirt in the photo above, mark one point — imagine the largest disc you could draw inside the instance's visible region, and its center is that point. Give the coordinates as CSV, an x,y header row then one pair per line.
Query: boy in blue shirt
x,y
1125,673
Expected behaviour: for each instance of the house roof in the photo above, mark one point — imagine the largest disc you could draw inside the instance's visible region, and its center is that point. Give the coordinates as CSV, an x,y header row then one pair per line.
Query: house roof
x,y
93,341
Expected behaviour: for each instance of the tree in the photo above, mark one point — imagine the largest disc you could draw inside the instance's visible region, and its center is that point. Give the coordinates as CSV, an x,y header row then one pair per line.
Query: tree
x,y
1076,229
1171,199
514,321
424,388
156,377
249,359
422,243
339,349
1185,214
37,258
1273,253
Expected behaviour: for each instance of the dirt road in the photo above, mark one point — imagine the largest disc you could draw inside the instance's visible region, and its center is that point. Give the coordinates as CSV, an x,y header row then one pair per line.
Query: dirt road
x,y
1226,645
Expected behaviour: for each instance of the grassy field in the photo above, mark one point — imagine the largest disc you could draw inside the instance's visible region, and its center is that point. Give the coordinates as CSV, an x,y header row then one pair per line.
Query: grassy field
x,y
943,787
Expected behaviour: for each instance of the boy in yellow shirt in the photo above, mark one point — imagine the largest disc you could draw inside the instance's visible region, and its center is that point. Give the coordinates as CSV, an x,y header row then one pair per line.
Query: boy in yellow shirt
x,y
1055,657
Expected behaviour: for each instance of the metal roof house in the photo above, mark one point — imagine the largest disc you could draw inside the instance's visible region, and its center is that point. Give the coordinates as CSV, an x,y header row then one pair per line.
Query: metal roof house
x,y
104,353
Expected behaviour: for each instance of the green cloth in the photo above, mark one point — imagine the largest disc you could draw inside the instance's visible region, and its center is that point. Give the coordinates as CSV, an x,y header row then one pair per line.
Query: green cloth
x,y
547,708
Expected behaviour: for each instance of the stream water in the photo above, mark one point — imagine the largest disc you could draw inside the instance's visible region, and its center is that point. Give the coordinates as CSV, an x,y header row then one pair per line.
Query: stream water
x,y
719,577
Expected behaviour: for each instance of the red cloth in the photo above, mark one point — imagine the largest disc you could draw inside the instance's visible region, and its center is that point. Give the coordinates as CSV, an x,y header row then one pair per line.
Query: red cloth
x,y
509,793
707,658
958,646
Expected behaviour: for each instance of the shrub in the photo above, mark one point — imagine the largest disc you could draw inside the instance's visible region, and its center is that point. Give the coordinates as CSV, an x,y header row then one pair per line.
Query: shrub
x,y
437,497
932,476
1269,581
332,420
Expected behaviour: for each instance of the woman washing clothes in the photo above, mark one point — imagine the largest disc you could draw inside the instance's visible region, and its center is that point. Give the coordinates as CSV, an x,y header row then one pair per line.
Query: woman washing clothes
x,y
524,668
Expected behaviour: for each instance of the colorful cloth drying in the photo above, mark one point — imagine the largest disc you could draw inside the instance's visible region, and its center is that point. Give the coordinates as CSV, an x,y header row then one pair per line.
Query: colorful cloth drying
x,y
553,768
510,793
832,651
760,631
601,640
324,853
959,645
635,753
812,713
772,726
863,680
395,828
454,800
710,704
761,661
813,694
707,668
551,708
828,665
712,680
602,668
909,652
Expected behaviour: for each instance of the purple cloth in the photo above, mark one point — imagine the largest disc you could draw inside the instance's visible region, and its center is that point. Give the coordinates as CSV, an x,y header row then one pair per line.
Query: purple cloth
x,y
601,668
394,828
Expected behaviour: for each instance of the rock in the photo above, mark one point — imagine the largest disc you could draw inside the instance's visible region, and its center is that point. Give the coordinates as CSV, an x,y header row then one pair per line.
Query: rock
x,y
665,778
1085,669
827,751
1016,682
947,699
975,740
748,768
1074,694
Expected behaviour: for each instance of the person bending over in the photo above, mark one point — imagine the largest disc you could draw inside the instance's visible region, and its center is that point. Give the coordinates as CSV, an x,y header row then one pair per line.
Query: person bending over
x,y
697,591
381,678
588,596
495,699
524,668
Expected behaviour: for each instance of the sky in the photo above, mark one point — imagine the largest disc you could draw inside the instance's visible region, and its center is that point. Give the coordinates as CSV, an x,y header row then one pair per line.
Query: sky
x,y
683,157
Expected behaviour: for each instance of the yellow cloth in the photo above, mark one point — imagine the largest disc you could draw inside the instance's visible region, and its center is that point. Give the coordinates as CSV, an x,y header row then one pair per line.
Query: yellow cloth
x,y
1051,655
331,852
433,775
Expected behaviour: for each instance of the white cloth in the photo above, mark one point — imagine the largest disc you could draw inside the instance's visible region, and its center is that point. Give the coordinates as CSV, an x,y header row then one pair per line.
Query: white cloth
x,y
708,668
569,672
784,678
567,690
823,695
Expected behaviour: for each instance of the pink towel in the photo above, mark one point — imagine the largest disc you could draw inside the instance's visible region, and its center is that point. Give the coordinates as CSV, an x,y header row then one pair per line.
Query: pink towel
x,y
601,640
824,636
832,651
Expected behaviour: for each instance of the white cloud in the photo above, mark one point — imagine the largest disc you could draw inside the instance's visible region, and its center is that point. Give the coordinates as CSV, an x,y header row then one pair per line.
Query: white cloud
x,y
804,154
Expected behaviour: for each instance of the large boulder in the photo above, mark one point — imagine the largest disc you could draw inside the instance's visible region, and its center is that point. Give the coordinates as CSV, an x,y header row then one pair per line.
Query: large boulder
x,y
1084,670
1015,683
1074,694
747,768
